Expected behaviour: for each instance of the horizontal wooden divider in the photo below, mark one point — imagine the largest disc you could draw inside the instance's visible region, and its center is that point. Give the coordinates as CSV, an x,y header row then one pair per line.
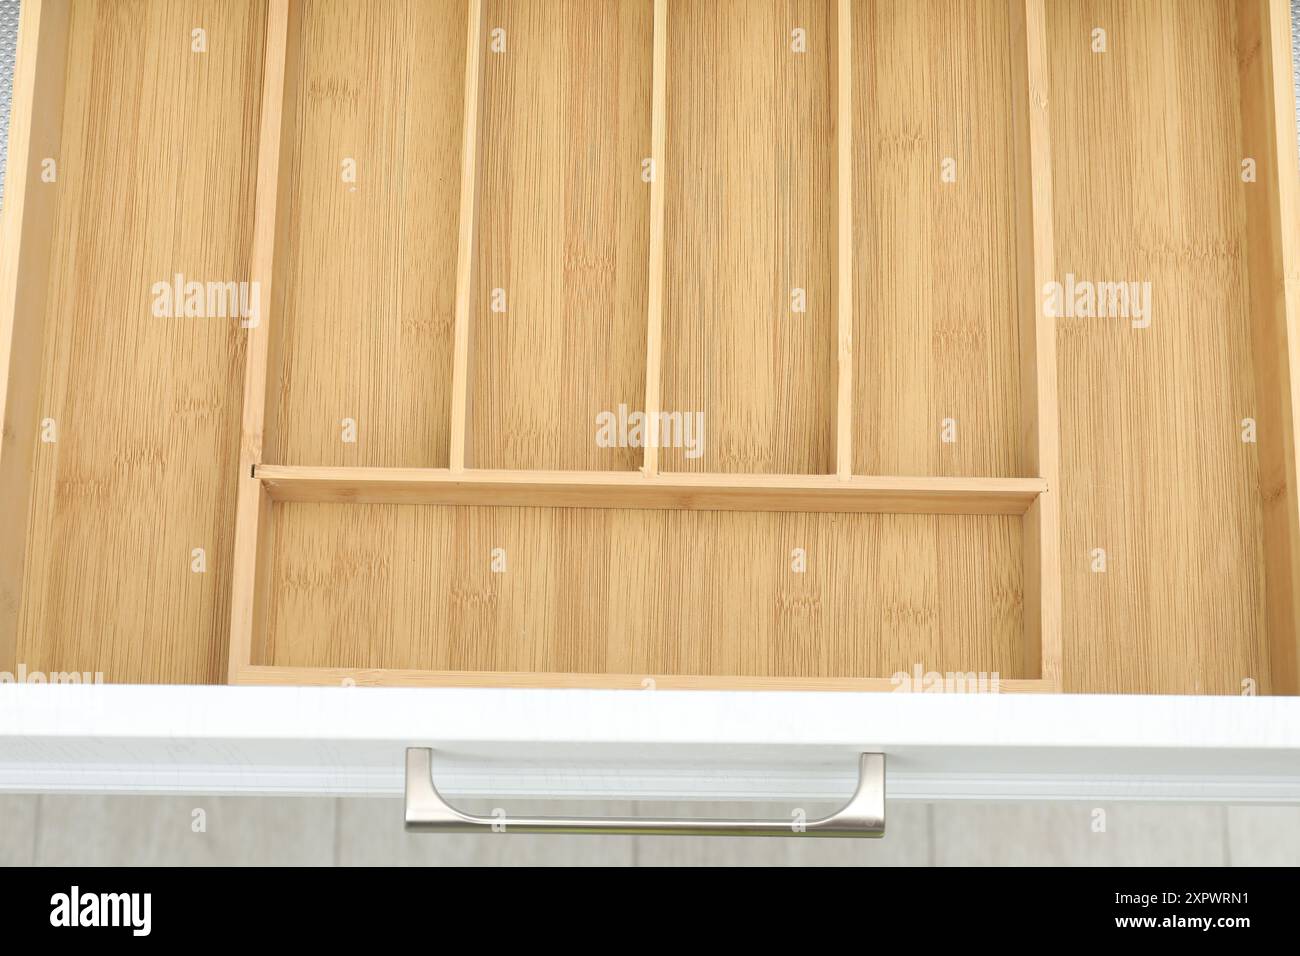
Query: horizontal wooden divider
x,y
680,491
266,675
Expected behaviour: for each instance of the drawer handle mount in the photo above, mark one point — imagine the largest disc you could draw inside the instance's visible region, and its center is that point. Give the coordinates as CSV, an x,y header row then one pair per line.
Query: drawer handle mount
x,y
428,812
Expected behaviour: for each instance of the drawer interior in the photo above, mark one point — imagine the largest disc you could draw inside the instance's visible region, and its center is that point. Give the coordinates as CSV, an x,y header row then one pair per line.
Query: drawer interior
x,y
656,343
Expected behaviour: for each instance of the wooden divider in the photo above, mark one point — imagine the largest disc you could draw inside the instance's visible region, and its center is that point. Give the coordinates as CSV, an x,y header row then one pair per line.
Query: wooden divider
x,y
466,256
843,74
253,510
692,491
655,295
1040,414
1273,237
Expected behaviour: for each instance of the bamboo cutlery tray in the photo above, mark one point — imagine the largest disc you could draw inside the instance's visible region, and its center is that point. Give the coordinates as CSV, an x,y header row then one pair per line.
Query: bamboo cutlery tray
x,y
790,344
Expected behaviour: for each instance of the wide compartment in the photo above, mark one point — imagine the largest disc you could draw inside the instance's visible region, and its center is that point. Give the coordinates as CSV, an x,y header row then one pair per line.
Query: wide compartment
x,y
644,597
1178,478
121,437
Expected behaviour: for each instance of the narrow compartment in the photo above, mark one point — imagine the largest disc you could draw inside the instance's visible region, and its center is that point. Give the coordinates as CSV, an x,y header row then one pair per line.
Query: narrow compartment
x,y
559,315
624,595
1159,478
936,350
366,252
123,403
749,321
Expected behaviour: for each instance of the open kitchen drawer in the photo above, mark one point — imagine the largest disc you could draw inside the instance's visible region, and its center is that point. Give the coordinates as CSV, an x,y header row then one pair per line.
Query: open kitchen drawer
x,y
775,345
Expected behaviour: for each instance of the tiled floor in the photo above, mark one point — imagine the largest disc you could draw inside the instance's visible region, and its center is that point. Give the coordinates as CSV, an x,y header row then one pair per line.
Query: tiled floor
x,y
83,830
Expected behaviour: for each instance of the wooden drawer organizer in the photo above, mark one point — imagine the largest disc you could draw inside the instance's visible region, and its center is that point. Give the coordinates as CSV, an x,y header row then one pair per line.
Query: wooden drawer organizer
x,y
828,227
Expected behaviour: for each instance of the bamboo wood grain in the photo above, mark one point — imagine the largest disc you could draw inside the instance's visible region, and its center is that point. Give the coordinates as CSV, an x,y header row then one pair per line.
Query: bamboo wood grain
x,y
648,592
462,387
146,463
371,175
1039,406
844,238
968,682
750,217
563,229
1154,469
1273,255
682,490
655,278
252,510
374,563
26,235
936,332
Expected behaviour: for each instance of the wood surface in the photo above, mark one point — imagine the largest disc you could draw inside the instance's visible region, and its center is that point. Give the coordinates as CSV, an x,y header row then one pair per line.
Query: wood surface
x,y
156,176
368,319
1146,154
1268,128
750,217
563,232
687,491
26,235
522,170
641,592
936,330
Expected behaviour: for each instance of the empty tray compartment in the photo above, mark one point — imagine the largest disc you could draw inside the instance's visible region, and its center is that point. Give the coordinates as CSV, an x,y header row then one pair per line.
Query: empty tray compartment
x,y
559,314
749,299
619,598
363,313
936,311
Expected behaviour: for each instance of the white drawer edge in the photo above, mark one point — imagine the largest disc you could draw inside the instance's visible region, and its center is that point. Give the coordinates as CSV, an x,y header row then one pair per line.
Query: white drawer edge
x,y
647,745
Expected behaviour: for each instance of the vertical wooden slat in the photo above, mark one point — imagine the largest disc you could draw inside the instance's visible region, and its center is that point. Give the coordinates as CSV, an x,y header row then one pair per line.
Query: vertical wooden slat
x,y
655,297
1273,257
25,237
253,507
467,255
1035,266
844,239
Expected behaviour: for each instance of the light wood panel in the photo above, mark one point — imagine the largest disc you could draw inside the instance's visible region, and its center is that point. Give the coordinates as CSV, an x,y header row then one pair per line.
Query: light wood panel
x,y
282,58
26,233
1146,168
655,277
467,258
1268,128
642,592
965,682
844,213
936,330
1035,268
563,231
147,408
750,217
367,330
686,491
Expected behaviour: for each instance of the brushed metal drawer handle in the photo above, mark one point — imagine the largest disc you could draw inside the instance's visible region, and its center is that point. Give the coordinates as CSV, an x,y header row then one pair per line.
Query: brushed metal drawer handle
x,y
428,812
